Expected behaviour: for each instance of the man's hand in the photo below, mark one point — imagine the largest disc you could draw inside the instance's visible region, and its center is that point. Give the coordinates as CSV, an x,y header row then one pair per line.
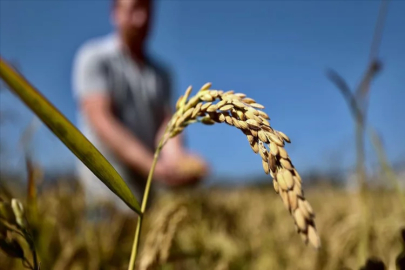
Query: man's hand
x,y
182,170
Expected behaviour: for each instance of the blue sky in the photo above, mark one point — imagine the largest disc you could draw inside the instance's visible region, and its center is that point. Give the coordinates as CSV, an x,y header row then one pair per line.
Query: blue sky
x,y
274,51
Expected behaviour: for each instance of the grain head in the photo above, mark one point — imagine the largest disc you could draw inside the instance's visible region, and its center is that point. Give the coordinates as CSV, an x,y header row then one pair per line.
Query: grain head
x,y
237,110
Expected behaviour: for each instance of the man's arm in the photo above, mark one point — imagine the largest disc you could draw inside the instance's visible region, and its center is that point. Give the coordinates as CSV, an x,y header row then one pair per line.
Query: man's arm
x,y
97,108
91,89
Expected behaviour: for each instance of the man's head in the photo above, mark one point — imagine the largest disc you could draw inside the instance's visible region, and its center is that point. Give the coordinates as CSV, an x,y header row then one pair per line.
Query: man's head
x,y
132,20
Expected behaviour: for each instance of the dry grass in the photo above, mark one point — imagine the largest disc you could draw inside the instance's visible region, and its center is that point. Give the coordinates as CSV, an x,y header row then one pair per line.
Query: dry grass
x,y
223,229
245,229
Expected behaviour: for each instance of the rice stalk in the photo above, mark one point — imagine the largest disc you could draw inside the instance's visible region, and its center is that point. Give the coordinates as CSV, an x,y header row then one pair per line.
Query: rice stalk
x,y
245,114
212,106
160,238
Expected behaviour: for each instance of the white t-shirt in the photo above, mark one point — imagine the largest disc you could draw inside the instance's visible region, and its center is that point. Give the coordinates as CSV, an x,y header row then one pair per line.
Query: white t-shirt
x,y
140,99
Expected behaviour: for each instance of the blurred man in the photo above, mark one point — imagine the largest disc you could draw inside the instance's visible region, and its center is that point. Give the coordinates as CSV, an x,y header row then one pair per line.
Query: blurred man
x,y
125,100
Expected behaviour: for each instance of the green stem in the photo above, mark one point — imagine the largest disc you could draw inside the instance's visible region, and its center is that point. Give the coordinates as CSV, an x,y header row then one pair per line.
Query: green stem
x,y
34,256
135,244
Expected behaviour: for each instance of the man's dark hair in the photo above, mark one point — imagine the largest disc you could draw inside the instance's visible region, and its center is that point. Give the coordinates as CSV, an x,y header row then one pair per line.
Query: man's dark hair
x,y
114,2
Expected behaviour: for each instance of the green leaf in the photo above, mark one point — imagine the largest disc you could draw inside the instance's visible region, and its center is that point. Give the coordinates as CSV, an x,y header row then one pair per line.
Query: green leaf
x,y
68,134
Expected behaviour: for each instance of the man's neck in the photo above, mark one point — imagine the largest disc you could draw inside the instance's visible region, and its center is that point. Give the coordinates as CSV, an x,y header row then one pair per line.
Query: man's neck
x,y
135,50
137,53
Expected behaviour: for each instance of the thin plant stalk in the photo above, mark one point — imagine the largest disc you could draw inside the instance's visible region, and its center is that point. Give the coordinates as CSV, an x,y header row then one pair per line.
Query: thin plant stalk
x,y
235,109
363,196
135,244
385,166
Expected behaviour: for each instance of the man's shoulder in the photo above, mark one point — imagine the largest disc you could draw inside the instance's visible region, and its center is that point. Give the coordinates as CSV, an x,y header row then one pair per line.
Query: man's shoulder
x,y
97,48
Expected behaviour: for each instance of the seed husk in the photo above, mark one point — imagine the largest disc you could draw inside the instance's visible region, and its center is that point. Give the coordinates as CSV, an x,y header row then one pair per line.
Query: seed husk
x,y
313,237
188,113
288,178
273,149
189,122
230,92
253,124
176,131
286,164
257,105
276,187
206,97
221,117
299,218
308,207
250,138
258,119
284,197
207,121
221,103
192,102
303,208
179,102
226,107
281,181
263,154
265,122
262,136
214,93
264,115
293,200
228,120
253,110
206,86
249,115
282,152
265,166
236,122
238,104
196,110
297,175
248,100
241,115
272,163
254,132
267,128
179,121
285,137
275,139
298,190
205,106
255,146
187,94
240,95
243,124
212,108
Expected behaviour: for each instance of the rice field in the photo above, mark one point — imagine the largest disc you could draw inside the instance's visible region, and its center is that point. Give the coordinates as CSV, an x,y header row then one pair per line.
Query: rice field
x,y
217,228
